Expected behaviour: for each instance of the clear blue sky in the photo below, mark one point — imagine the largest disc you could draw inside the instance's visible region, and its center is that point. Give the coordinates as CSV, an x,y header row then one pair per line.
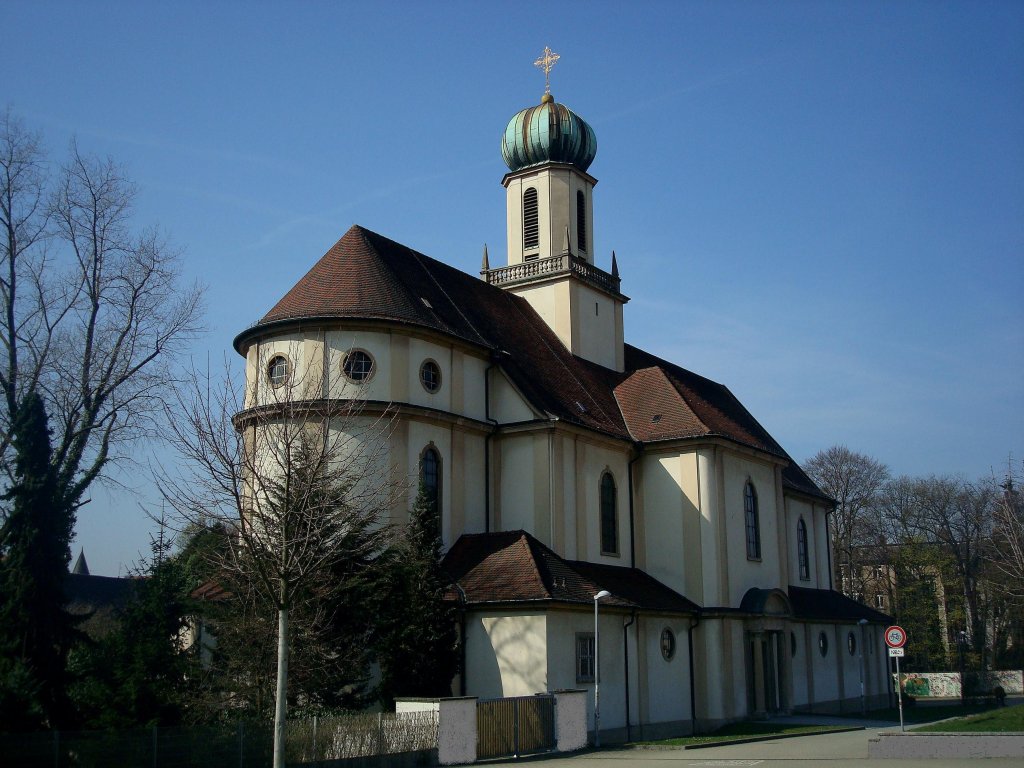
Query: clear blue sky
x,y
819,204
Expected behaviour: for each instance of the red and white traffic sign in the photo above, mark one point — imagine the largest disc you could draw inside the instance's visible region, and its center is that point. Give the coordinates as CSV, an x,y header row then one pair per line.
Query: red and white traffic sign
x,y
895,637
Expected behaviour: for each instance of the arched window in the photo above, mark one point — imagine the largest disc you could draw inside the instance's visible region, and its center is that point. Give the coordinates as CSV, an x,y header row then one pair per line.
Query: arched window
x,y
430,480
753,524
801,550
581,221
531,226
609,520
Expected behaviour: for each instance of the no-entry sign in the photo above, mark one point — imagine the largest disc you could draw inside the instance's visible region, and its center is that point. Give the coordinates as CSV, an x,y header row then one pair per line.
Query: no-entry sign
x,y
895,637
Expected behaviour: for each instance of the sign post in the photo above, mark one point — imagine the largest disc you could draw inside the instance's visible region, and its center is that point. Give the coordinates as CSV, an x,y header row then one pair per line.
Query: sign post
x,y
896,638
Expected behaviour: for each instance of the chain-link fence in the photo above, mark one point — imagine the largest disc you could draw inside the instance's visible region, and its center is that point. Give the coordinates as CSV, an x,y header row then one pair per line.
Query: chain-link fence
x,y
245,745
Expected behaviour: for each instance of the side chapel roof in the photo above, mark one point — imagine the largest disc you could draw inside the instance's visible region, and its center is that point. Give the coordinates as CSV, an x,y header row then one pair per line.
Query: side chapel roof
x,y
514,567
365,276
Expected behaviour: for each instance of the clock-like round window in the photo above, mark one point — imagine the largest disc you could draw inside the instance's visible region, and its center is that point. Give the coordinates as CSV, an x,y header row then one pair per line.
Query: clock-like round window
x,y
278,370
668,644
430,376
358,366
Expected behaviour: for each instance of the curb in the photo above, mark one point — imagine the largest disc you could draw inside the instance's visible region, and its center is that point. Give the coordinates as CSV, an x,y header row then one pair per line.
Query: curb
x,y
746,739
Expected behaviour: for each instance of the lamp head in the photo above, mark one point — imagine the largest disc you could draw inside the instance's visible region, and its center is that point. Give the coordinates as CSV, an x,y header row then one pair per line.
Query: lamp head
x,y
602,593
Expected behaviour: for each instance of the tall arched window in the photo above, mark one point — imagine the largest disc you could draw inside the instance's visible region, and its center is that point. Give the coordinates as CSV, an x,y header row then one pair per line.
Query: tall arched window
x,y
430,481
801,550
581,221
609,519
531,227
753,524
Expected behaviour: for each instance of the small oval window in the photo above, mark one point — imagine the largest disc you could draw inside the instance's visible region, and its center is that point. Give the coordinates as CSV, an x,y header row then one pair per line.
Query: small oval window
x,y
430,376
851,643
358,366
668,644
823,644
278,370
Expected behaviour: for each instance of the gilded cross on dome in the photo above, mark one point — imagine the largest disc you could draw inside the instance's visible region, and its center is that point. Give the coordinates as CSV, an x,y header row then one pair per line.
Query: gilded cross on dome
x,y
546,62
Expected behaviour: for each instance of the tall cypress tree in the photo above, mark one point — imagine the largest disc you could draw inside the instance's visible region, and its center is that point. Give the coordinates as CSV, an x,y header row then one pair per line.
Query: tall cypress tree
x,y
35,544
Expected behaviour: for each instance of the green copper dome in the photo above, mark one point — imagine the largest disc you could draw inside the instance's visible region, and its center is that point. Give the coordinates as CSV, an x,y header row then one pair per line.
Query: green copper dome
x,y
548,133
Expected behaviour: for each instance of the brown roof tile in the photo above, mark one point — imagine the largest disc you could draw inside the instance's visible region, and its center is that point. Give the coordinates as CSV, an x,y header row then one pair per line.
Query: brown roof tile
x,y
513,567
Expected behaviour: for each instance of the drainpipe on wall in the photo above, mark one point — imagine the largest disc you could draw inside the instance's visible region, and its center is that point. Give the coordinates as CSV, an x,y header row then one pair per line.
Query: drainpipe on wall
x,y
487,441
639,448
828,547
625,655
694,622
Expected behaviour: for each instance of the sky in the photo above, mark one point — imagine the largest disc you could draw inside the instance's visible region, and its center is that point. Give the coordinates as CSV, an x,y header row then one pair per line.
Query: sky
x,y
818,204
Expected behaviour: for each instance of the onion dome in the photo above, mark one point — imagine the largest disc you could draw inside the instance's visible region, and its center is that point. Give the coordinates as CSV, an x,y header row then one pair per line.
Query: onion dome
x,y
548,133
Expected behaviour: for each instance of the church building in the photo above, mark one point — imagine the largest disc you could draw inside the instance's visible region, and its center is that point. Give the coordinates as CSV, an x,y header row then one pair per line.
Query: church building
x,y
571,469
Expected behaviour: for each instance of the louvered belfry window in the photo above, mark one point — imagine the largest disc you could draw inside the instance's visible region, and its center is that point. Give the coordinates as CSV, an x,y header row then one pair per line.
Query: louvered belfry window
x,y
581,221
531,228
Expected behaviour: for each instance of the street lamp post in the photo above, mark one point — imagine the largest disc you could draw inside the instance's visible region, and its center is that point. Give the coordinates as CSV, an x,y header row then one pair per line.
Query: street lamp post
x,y
597,672
961,644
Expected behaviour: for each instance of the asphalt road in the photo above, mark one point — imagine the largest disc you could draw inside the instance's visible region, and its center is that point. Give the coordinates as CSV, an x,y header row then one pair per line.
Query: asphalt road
x,y
837,750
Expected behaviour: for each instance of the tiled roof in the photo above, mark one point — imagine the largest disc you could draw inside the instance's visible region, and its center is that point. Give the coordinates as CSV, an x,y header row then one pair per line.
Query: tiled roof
x,y
829,605
367,276
514,567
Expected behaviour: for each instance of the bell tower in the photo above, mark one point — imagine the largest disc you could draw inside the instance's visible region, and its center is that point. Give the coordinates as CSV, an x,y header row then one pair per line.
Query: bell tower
x,y
550,229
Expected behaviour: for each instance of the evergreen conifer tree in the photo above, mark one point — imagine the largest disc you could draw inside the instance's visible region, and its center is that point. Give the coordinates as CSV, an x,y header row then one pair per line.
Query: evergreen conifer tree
x,y
35,545
417,641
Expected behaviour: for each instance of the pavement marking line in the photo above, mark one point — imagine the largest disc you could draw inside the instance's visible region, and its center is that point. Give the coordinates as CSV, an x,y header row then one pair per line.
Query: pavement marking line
x,y
727,762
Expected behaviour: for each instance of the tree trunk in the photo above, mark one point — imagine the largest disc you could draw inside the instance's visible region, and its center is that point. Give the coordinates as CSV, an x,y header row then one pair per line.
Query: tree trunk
x,y
281,707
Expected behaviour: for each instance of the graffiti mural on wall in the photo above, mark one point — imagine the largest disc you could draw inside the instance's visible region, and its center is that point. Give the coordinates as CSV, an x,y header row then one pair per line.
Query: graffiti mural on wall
x,y
947,684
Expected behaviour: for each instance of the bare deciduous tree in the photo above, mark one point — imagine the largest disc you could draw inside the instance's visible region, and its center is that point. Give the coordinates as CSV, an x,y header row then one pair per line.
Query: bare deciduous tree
x,y
301,480
93,309
1007,554
854,481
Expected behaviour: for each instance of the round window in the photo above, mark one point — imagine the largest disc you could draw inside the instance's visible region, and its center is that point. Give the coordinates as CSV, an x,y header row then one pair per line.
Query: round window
x,y
851,643
358,366
668,644
823,644
278,370
430,376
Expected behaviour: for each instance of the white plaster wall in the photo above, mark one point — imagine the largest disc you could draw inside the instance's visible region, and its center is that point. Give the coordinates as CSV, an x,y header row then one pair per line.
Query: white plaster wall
x,y
378,345
797,509
797,665
821,549
826,678
562,629
596,328
663,519
668,681
419,352
506,655
516,487
745,573
595,460
507,405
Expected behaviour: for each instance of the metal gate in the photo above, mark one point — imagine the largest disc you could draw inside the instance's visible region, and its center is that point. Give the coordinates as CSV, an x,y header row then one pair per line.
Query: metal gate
x,y
515,726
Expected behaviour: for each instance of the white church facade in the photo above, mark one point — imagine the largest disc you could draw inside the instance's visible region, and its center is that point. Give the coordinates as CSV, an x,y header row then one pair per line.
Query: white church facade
x,y
565,462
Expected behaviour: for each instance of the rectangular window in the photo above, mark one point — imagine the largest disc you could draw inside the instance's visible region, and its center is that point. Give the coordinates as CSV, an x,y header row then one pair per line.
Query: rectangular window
x,y
880,601
585,657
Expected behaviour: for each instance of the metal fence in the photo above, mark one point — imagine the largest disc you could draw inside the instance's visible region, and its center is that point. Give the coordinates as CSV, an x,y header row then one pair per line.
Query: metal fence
x,y
245,745
516,726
